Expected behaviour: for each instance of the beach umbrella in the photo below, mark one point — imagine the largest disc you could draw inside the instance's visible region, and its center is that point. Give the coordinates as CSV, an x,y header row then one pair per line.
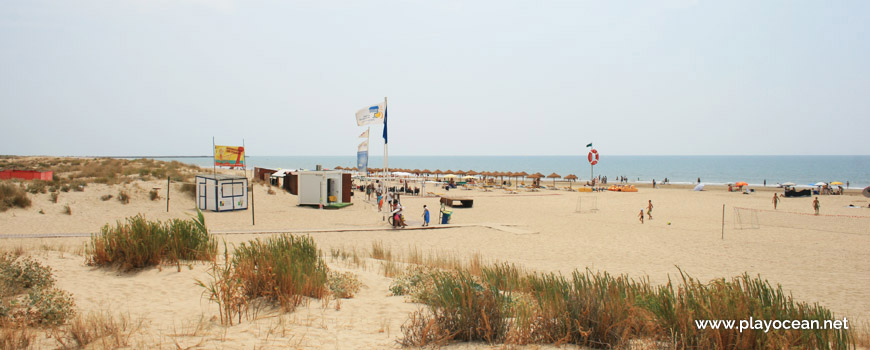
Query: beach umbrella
x,y
554,176
416,171
523,175
820,184
741,183
472,172
788,183
338,167
699,187
450,175
836,183
571,177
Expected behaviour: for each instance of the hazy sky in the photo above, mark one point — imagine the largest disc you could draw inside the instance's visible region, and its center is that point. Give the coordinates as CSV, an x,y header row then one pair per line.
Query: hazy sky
x,y
161,77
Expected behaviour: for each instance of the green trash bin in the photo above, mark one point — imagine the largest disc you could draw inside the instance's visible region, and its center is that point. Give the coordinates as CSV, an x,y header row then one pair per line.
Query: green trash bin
x,y
445,216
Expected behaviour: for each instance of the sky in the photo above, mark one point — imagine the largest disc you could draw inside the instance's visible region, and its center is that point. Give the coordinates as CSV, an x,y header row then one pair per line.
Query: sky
x,y
673,77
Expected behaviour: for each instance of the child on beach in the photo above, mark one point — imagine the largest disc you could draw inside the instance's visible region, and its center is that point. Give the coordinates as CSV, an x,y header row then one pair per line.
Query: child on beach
x,y
641,215
816,205
775,201
649,209
425,216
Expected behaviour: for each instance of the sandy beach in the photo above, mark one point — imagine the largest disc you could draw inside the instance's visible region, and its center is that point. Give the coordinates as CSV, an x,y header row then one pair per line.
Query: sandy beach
x,y
816,258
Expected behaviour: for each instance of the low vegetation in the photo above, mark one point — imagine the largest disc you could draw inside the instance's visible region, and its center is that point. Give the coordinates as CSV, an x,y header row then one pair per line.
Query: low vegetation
x,y
12,196
97,330
284,270
189,189
504,304
77,173
123,197
138,243
28,297
343,285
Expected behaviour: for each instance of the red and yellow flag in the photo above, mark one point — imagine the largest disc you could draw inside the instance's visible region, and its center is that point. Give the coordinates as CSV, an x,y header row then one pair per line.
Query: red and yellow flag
x,y
229,156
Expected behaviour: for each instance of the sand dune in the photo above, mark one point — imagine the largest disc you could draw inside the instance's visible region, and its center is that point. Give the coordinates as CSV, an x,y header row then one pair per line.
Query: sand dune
x,y
821,259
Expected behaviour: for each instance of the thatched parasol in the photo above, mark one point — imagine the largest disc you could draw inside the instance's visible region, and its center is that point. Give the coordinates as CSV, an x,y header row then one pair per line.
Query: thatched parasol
x,y
571,177
554,176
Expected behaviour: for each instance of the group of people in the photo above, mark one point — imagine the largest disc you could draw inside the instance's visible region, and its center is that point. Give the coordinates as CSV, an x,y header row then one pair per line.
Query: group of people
x,y
649,209
397,210
816,205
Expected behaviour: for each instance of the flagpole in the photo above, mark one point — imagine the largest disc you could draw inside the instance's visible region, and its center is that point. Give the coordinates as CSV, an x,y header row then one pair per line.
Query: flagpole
x,y
386,149
368,143
213,154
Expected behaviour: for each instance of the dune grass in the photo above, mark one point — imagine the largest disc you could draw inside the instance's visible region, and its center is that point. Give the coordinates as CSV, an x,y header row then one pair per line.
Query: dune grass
x,y
283,268
504,304
286,270
12,195
138,243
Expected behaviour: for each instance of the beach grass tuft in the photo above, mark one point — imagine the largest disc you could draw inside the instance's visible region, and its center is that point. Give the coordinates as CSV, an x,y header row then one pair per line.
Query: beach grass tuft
x,y
506,304
12,196
97,330
138,243
286,270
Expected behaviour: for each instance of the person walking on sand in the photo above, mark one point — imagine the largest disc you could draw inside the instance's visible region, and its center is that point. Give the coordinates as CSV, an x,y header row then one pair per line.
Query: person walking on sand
x,y
649,210
380,194
640,216
775,201
816,205
425,216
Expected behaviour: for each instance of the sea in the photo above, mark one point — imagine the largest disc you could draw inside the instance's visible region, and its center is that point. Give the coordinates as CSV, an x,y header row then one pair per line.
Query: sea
x,y
755,170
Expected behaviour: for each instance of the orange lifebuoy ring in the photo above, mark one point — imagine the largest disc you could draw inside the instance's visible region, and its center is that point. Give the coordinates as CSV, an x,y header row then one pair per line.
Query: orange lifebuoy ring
x,y
593,156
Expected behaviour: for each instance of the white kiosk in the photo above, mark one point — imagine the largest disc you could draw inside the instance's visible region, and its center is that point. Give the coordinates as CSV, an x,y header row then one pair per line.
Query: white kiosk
x,y
219,192
318,187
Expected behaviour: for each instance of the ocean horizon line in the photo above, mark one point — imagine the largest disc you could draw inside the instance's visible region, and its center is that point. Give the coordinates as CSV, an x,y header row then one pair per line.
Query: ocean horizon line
x,y
449,155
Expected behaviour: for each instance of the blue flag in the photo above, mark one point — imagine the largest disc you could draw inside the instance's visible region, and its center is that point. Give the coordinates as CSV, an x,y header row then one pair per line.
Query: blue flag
x,y
385,125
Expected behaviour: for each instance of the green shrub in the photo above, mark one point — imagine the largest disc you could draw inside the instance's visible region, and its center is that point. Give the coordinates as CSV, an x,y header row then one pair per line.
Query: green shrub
x,y
27,295
138,243
12,196
18,274
343,285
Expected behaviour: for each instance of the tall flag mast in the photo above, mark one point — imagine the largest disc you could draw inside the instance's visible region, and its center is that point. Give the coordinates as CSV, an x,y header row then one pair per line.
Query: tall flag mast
x,y
373,115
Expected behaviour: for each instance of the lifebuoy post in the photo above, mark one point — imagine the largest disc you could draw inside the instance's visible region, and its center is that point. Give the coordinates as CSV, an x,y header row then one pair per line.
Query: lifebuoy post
x,y
593,159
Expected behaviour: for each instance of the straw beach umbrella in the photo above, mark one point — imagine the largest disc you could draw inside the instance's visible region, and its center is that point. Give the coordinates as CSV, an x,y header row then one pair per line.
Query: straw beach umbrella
x,y
554,176
522,175
571,177
536,176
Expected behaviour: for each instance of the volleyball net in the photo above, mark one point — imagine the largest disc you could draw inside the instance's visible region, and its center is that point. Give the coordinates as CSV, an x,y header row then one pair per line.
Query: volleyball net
x,y
748,218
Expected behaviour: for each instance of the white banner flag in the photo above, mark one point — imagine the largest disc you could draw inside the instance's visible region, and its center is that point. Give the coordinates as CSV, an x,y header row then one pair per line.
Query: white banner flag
x,y
364,135
371,115
364,146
